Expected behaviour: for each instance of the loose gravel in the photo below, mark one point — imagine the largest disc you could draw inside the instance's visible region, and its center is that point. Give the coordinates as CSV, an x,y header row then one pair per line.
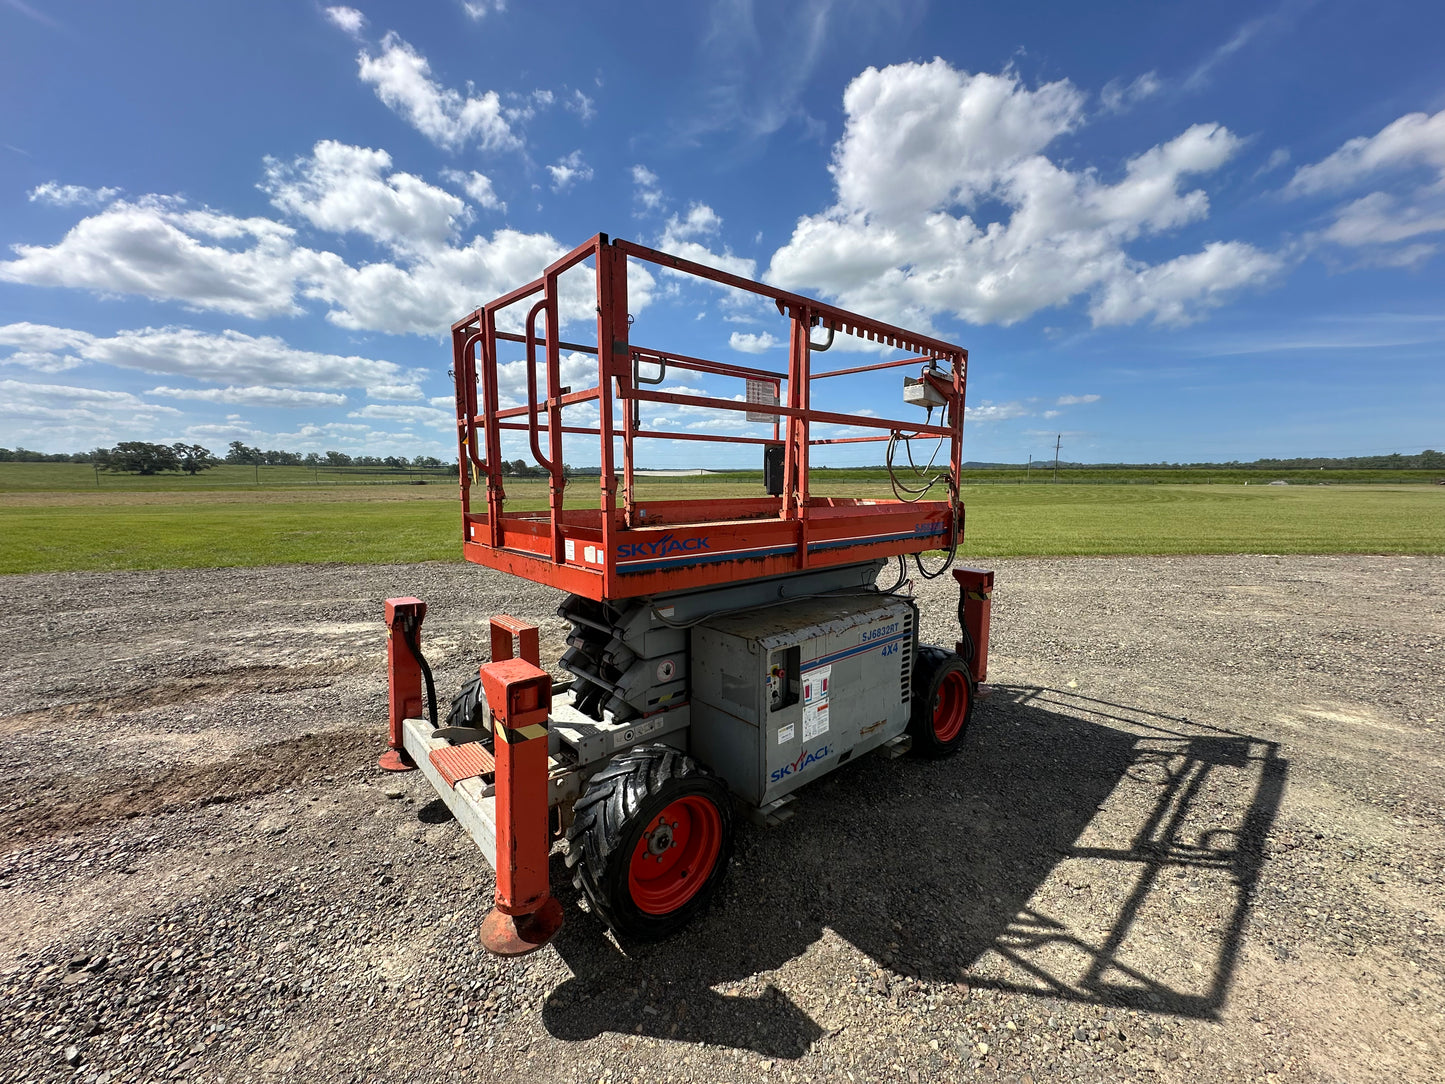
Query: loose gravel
x,y
1196,833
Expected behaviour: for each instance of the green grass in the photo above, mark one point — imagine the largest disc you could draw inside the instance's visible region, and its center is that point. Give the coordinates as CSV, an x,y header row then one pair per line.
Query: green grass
x,y
169,527
82,477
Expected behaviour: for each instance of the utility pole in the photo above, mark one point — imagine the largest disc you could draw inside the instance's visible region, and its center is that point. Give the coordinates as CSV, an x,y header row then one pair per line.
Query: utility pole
x,y
1029,470
1059,440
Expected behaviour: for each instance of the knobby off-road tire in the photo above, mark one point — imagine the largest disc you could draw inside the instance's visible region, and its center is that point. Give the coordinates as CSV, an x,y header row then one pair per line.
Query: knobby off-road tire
x,y
943,696
469,709
650,841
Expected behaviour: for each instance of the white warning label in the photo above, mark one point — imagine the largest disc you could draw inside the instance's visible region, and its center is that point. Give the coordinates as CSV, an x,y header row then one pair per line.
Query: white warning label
x,y
815,684
785,734
815,720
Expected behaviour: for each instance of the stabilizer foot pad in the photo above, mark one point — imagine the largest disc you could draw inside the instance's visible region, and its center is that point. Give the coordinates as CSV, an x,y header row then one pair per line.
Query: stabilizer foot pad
x,y
460,762
517,935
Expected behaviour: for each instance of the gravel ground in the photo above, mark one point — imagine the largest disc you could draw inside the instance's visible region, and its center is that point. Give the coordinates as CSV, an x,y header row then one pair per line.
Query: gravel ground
x,y
1196,833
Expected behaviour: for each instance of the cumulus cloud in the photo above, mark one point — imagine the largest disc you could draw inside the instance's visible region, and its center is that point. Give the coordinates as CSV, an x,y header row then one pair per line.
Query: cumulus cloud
x,y
1416,139
910,243
477,186
21,401
750,343
395,391
402,80
228,356
568,170
156,249
71,195
254,396
342,189
347,19
411,414
1389,222
680,237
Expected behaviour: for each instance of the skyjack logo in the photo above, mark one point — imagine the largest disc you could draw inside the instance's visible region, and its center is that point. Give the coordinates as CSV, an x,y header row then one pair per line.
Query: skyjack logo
x,y
663,546
805,758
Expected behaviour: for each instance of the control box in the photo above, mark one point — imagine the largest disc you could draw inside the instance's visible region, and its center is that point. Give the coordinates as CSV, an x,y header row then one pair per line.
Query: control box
x,y
785,694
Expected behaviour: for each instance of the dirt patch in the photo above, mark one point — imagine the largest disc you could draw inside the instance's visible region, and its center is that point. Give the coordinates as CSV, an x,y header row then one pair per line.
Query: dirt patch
x,y
1196,833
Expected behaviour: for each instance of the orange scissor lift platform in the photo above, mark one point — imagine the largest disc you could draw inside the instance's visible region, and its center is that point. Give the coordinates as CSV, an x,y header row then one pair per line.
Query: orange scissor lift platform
x,y
628,547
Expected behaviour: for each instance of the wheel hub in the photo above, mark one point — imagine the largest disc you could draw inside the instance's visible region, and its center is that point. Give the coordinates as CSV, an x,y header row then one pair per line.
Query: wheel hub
x,y
660,838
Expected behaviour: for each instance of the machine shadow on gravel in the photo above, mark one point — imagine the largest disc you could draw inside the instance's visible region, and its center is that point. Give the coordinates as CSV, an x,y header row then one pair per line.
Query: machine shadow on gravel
x,y
1155,825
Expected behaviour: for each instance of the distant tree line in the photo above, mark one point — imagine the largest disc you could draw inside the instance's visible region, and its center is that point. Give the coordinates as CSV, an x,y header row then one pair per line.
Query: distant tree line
x,y
142,457
240,453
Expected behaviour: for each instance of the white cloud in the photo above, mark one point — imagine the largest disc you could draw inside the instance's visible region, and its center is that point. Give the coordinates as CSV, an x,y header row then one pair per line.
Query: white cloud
x,y
908,244
254,396
478,9
1415,139
699,221
568,170
646,190
582,105
679,238
750,343
343,188
402,79
477,186
71,195
229,356
1385,224
409,414
1175,291
347,19
987,411
1118,96
396,391
21,401
155,249
1075,400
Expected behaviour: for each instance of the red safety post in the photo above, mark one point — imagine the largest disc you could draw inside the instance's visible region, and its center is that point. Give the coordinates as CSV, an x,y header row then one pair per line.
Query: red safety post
x,y
403,677
975,591
519,692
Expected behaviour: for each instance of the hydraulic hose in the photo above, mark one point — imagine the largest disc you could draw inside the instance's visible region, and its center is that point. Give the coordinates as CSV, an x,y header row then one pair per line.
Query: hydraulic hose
x,y
410,636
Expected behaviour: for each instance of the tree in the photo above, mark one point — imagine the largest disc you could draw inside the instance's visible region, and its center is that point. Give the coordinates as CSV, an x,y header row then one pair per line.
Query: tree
x,y
139,457
338,459
192,458
313,459
239,453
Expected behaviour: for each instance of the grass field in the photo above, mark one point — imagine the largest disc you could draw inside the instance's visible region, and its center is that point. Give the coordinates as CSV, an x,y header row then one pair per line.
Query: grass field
x,y
229,477
165,525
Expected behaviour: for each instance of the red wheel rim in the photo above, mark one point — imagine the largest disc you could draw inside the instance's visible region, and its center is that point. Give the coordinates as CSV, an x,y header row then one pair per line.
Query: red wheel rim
x,y
675,855
950,706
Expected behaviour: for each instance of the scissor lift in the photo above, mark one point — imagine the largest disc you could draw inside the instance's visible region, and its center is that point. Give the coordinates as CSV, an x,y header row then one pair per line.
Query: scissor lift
x,y
724,651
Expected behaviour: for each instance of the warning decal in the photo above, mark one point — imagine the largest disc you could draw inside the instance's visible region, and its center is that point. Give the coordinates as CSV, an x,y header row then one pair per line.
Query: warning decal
x,y
815,720
815,684
785,734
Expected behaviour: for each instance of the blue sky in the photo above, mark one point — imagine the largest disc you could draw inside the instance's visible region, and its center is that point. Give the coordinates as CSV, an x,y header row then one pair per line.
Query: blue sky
x,y
1168,232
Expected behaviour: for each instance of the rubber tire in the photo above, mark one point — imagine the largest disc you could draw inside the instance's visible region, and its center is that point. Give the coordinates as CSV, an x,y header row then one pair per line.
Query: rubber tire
x,y
931,667
469,708
608,821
